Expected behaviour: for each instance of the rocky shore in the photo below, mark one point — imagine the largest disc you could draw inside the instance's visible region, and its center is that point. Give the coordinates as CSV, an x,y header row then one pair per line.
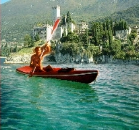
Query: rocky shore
x,y
59,58
25,58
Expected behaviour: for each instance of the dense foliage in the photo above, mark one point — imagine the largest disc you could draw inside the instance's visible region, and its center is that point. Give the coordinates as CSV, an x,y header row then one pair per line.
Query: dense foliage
x,y
98,40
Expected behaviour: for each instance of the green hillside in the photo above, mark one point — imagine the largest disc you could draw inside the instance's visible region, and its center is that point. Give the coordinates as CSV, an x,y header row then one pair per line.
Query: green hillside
x,y
19,17
130,15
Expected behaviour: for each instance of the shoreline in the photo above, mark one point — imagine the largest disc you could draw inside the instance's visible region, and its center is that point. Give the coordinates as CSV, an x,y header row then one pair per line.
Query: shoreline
x,y
26,60
15,63
2,57
117,62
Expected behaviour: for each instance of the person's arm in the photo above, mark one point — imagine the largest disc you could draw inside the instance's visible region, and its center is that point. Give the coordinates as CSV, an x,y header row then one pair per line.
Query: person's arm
x,y
31,62
46,48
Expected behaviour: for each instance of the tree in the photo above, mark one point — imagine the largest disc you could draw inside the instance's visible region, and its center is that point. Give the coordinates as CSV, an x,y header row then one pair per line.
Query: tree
x,y
63,20
110,36
16,48
68,20
106,49
71,37
132,37
28,41
115,47
121,25
5,51
36,37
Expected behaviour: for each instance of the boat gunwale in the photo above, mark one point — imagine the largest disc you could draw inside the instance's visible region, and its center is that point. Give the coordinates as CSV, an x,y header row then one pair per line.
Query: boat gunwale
x,y
62,74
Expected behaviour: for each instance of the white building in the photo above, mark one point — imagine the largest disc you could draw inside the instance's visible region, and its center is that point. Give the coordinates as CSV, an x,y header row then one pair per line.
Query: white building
x,y
72,26
56,13
122,34
82,27
44,32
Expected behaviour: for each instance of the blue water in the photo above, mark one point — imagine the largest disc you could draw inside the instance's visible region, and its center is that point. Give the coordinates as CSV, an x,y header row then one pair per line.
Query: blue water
x,y
111,103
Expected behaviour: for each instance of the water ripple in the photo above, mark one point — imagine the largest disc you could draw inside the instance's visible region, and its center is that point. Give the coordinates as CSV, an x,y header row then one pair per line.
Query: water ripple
x,y
111,103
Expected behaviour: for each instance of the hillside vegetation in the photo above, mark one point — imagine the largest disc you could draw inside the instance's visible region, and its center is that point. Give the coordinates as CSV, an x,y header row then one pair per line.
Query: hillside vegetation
x,y
19,17
130,15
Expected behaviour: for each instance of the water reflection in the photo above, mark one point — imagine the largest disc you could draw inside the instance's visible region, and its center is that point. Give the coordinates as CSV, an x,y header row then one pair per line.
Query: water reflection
x,y
35,91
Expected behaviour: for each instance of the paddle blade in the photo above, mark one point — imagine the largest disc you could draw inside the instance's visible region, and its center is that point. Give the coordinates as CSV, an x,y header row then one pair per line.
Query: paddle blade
x,y
55,25
54,28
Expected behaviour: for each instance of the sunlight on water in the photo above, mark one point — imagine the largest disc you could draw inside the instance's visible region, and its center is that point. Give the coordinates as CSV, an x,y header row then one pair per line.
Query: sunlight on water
x,y
112,102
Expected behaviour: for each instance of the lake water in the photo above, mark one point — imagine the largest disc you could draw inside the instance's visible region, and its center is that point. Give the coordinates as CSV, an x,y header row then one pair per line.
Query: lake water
x,y
111,103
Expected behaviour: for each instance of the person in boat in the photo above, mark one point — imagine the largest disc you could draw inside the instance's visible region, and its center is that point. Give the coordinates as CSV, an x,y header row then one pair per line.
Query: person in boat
x,y
38,56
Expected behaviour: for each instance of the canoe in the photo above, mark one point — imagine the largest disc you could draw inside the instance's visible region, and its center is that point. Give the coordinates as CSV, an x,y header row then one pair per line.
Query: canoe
x,y
71,74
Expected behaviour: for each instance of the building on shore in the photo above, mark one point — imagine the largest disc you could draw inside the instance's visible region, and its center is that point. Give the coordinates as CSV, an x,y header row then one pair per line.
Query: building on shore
x,y
82,27
44,31
122,34
56,13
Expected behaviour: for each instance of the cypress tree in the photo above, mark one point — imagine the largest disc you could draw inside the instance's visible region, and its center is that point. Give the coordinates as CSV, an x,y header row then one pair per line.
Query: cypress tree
x,y
110,37
68,20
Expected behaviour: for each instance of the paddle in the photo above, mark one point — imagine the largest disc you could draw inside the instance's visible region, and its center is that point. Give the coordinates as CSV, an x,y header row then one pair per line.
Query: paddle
x,y
52,32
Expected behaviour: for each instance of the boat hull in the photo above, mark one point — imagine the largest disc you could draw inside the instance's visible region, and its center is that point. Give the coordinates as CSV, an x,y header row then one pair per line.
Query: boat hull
x,y
83,76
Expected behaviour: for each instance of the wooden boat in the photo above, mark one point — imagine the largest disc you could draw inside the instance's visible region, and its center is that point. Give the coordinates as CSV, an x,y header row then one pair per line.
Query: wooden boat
x,y
83,76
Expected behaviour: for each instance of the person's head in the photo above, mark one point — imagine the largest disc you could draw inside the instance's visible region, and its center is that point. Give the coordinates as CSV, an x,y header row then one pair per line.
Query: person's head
x,y
38,50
